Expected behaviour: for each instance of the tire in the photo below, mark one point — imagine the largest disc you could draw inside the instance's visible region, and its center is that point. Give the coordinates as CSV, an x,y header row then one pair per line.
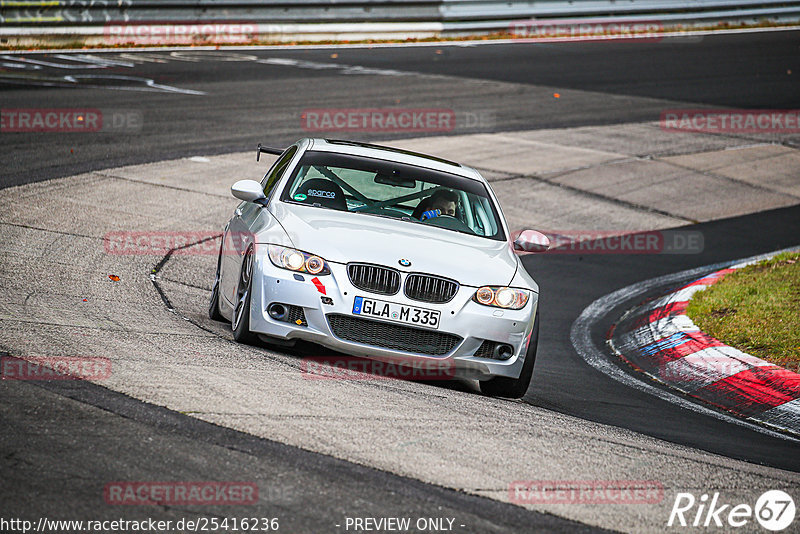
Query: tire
x,y
213,305
240,320
515,388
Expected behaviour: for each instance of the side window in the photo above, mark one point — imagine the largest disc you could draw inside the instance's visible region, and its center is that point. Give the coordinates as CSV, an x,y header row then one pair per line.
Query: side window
x,y
275,173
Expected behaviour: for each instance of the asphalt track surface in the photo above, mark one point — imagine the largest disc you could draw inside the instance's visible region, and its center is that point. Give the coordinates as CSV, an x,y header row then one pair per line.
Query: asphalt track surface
x,y
109,436
248,102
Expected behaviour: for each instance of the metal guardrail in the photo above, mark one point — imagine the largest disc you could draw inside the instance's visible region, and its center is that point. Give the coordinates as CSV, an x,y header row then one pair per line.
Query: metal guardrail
x,y
453,10
88,21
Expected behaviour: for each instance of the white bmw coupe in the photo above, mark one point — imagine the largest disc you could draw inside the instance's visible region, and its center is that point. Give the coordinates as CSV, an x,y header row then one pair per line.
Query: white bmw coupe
x,y
384,254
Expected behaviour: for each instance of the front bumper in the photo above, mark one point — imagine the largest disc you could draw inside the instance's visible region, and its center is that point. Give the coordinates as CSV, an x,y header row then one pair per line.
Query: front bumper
x,y
322,298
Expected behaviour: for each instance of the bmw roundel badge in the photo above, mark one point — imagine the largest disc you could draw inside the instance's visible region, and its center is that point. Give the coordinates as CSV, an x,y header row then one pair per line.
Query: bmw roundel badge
x,y
405,263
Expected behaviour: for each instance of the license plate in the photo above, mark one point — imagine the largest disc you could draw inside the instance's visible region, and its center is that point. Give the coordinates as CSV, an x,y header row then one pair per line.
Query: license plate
x,y
399,313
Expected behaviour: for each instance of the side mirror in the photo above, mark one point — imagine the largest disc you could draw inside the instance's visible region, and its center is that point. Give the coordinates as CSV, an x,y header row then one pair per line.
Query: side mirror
x,y
248,190
531,241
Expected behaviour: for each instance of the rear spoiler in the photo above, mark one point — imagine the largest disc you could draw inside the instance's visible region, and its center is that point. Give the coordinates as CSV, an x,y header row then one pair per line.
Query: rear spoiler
x,y
267,150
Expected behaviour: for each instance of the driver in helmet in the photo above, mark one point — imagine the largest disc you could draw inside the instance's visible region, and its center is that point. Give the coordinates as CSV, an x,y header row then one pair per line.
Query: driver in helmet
x,y
441,202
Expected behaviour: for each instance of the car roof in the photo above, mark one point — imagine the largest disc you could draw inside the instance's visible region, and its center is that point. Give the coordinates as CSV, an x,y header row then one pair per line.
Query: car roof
x,y
393,154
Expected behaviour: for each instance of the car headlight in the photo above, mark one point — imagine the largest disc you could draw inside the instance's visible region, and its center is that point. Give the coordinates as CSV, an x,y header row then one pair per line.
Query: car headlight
x,y
297,260
502,297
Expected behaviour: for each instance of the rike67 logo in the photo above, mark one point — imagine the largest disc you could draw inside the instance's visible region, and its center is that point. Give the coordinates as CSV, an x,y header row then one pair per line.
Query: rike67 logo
x,y
774,510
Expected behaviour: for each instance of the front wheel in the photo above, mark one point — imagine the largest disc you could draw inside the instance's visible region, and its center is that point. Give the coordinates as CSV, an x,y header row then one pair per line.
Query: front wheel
x,y
241,313
213,306
515,388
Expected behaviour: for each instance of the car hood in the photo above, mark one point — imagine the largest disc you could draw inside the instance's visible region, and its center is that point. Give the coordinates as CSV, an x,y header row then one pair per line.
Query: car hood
x,y
344,237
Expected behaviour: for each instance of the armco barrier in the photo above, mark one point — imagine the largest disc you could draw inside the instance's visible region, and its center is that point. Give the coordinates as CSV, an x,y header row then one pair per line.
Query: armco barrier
x,y
88,21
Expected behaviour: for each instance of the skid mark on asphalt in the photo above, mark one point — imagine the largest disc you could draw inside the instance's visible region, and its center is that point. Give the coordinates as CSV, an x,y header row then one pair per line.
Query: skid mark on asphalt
x,y
588,194
166,186
48,230
732,180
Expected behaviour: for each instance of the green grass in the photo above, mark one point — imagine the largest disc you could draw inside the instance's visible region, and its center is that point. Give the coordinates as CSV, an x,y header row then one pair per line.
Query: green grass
x,y
755,309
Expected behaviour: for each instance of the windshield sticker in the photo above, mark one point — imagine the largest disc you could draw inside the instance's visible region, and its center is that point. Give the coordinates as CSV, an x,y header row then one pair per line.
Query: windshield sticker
x,y
300,197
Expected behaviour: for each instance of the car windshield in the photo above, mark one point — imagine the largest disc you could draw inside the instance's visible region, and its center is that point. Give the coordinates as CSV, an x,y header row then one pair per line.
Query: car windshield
x,y
396,190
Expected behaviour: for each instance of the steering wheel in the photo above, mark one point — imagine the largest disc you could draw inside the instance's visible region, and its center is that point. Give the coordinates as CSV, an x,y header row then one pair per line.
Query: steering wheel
x,y
382,210
449,222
